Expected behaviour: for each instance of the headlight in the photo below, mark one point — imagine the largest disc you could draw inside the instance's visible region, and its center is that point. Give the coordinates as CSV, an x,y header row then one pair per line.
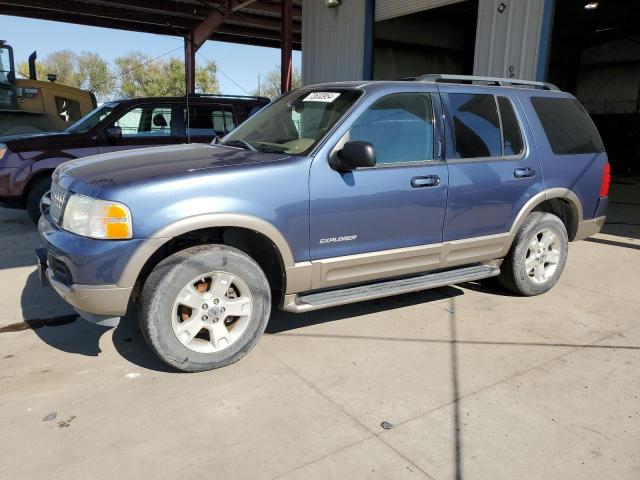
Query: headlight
x,y
3,150
94,218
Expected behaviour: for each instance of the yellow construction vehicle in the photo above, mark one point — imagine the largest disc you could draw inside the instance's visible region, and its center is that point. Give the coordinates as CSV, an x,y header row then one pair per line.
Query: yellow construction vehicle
x,y
31,106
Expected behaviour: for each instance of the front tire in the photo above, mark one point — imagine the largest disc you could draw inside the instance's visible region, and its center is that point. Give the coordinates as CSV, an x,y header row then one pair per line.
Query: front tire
x,y
38,198
537,256
204,307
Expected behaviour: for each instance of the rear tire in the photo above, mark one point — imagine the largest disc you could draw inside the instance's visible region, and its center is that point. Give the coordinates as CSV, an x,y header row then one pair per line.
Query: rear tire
x,y
38,190
537,256
187,306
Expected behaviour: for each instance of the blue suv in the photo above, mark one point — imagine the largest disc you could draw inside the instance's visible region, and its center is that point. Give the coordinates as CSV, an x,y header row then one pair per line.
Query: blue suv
x,y
333,194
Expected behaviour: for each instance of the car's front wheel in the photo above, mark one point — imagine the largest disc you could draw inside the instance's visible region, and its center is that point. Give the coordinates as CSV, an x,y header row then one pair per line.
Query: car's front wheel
x,y
537,256
204,307
39,198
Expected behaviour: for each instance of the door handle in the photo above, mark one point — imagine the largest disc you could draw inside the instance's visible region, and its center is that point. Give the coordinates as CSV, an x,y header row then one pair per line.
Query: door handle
x,y
428,181
524,172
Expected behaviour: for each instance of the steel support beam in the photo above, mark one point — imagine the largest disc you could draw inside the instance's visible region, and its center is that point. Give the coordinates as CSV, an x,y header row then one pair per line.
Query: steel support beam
x,y
189,64
286,67
201,33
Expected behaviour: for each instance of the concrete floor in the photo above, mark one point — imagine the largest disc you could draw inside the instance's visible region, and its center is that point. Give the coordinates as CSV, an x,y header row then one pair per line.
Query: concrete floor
x,y
476,384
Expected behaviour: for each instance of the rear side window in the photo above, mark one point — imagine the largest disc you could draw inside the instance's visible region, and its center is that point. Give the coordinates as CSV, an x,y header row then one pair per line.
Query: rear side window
x,y
476,125
210,120
511,135
567,125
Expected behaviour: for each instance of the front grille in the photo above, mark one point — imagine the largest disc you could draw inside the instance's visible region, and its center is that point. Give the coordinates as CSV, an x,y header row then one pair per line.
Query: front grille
x,y
58,196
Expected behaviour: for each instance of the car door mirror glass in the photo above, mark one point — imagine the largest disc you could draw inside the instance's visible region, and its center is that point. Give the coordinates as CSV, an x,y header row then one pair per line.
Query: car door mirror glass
x,y
354,154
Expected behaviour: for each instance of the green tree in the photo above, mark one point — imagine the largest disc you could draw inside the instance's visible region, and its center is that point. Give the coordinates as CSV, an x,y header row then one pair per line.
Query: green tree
x,y
141,76
134,74
270,84
85,70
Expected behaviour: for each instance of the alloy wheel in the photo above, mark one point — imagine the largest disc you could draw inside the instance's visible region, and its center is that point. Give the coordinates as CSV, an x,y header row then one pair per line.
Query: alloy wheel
x,y
211,312
543,256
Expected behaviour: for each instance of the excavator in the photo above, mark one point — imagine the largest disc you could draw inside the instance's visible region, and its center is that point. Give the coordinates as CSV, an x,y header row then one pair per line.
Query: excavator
x,y
29,106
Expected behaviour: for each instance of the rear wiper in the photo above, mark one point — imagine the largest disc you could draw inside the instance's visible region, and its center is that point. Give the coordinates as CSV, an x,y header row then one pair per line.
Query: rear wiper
x,y
240,144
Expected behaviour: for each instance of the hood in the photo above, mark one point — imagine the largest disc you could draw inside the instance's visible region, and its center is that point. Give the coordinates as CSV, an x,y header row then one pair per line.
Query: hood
x,y
33,141
146,164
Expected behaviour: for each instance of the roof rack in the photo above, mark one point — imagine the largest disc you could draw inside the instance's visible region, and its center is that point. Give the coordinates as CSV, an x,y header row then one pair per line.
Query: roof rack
x,y
216,95
500,82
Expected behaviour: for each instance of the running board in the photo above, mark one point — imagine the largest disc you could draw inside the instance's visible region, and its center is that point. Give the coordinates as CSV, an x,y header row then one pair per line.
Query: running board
x,y
315,301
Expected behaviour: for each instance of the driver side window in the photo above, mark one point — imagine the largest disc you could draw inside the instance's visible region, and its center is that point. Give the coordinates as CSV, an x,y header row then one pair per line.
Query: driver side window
x,y
400,128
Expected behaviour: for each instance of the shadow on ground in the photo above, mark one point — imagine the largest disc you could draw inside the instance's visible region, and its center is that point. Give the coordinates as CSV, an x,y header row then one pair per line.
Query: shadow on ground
x,y
72,334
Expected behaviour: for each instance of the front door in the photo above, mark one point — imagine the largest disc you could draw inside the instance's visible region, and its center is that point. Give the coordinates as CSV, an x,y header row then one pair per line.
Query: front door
x,y
399,203
145,126
492,169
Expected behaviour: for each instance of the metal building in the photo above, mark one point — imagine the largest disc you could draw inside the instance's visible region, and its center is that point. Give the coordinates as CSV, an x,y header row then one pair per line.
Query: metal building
x,y
589,48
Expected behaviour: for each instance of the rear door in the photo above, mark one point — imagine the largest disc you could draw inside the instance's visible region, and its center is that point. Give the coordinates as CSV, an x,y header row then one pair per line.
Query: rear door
x,y
493,165
145,126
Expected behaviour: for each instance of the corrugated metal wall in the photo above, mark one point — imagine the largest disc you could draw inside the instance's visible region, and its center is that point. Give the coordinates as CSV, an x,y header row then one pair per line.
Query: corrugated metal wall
x,y
508,38
332,41
386,9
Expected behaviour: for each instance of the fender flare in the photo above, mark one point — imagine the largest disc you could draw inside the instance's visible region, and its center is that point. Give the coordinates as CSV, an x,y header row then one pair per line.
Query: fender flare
x,y
537,199
160,237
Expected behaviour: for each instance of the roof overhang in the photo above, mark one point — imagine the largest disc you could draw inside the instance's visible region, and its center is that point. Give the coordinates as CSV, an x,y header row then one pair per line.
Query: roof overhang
x,y
256,22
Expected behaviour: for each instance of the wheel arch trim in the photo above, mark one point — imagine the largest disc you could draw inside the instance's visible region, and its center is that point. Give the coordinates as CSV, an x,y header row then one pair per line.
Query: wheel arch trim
x,y
165,234
537,199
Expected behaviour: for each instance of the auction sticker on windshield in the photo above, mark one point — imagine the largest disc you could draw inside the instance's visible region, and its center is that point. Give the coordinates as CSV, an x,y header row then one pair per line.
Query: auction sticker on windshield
x,y
327,97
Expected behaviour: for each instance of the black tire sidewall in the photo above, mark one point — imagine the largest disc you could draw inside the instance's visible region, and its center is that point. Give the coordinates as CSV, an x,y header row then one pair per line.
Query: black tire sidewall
x,y
37,190
536,222
171,275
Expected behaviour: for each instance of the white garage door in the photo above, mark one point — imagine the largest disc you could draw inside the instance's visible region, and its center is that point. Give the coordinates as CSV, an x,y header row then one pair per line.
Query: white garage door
x,y
386,9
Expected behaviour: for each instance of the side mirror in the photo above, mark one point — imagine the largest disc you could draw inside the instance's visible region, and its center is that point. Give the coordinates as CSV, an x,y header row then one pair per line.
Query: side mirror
x,y
355,154
113,133
11,76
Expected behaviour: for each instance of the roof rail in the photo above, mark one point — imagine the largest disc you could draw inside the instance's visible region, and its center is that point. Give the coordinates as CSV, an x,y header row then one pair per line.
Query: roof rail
x,y
500,82
217,95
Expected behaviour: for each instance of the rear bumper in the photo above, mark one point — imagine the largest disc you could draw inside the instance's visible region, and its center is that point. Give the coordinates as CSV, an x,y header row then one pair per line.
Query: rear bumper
x,y
590,227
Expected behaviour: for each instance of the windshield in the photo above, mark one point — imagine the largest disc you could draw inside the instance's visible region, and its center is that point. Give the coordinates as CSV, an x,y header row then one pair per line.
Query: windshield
x,y
294,123
5,64
92,118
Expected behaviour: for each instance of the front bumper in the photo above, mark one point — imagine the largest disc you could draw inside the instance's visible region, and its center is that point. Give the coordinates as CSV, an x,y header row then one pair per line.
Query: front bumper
x,y
85,272
106,300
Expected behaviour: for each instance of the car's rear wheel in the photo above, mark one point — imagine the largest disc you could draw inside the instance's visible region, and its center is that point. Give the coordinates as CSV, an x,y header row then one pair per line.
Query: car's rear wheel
x,y
39,198
204,307
537,256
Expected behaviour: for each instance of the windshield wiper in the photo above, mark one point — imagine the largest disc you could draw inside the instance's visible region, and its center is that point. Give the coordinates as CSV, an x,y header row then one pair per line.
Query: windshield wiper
x,y
239,144
271,149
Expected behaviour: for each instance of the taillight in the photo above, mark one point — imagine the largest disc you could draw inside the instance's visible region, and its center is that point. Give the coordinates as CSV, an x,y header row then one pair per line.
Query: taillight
x,y
606,180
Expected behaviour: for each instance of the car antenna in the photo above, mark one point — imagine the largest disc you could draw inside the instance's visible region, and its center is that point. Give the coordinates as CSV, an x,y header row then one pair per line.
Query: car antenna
x,y
188,116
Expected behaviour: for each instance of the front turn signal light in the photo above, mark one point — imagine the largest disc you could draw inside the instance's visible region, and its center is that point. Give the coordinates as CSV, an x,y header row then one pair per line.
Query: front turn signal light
x,y
101,219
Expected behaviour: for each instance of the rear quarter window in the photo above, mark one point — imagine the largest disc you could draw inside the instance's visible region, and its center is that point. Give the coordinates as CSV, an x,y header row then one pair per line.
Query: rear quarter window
x,y
567,125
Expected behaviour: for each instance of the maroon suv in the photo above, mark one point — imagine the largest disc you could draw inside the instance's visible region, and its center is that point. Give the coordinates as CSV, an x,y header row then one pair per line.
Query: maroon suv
x,y
27,161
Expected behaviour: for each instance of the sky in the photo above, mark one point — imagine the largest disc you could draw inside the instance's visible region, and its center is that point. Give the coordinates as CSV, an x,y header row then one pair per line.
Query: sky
x,y
238,65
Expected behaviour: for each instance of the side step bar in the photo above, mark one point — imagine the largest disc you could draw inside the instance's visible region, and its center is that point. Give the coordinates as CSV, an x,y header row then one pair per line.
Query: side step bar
x,y
315,301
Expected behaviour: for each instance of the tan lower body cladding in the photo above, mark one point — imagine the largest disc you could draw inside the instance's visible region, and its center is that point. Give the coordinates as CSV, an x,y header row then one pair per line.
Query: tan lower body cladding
x,y
365,267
